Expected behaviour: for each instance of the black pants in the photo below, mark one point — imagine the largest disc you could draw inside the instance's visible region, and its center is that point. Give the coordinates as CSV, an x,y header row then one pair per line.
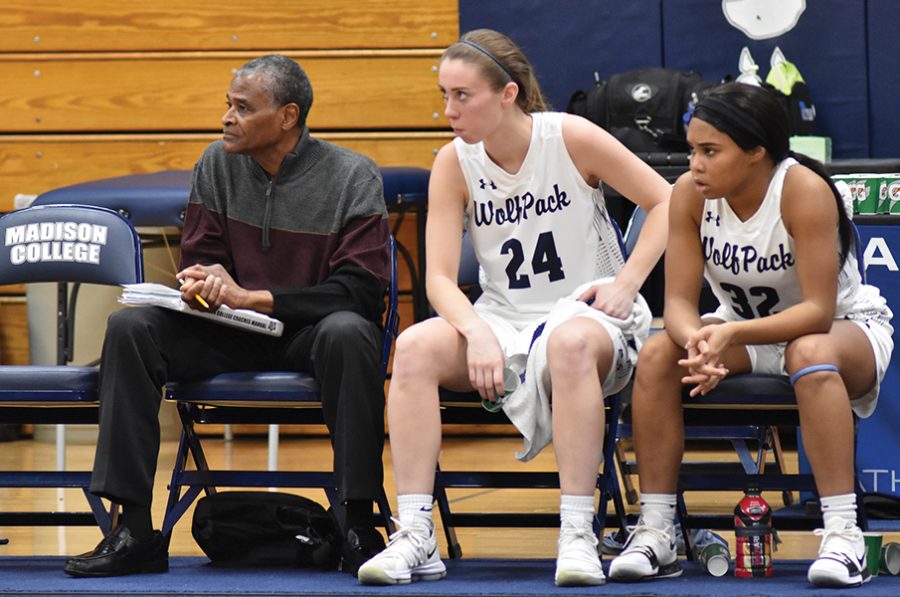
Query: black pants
x,y
146,347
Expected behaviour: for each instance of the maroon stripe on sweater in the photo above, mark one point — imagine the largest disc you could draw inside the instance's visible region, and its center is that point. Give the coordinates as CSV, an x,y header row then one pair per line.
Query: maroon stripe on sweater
x,y
294,260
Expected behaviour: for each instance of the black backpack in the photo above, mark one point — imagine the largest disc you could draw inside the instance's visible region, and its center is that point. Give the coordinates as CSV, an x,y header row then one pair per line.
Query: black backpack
x,y
643,108
261,528
799,107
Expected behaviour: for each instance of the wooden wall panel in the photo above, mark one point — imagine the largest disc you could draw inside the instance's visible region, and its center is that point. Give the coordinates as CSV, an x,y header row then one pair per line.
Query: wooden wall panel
x,y
113,25
165,92
13,331
91,89
33,164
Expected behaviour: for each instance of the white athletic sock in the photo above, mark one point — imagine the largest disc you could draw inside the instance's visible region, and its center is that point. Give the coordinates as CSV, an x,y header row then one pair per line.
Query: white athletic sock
x,y
578,508
839,505
661,503
415,508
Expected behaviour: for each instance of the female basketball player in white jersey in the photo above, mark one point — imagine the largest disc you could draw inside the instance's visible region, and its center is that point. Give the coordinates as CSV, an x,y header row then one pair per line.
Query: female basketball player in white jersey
x,y
770,233
524,182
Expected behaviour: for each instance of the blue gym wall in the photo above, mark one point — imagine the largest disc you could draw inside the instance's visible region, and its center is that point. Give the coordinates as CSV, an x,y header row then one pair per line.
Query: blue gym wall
x,y
848,51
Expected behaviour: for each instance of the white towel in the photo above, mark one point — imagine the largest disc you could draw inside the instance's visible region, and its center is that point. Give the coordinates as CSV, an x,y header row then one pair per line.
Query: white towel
x,y
529,406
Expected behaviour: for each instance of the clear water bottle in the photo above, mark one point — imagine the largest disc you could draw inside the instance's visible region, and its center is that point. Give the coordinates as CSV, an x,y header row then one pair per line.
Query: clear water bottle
x,y
753,536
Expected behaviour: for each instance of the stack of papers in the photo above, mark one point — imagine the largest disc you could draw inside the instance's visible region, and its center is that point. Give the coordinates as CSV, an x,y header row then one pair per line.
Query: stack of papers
x,y
170,298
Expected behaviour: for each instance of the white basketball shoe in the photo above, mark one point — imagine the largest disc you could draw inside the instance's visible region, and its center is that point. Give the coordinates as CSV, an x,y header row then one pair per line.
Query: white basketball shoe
x,y
650,551
411,554
842,556
577,561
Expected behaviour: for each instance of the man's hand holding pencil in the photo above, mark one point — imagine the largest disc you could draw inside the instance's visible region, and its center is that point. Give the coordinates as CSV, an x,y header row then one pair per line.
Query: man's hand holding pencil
x,y
209,287
197,297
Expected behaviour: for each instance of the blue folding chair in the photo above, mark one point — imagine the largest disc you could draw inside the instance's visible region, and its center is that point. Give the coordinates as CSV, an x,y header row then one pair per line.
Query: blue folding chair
x,y
767,401
742,435
69,245
465,408
271,398
744,409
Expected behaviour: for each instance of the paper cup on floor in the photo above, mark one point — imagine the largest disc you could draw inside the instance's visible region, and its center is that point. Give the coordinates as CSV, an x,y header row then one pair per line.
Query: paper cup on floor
x,y
715,559
873,551
890,559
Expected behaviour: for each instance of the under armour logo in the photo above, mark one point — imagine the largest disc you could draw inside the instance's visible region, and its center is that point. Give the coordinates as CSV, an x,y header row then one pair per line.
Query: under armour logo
x,y
641,93
490,183
709,217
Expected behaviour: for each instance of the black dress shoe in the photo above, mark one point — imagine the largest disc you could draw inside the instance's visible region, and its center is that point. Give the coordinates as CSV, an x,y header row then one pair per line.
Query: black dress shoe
x,y
119,553
360,545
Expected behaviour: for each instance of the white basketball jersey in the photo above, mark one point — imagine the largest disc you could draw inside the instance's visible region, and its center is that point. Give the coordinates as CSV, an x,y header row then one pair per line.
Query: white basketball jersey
x,y
751,265
538,233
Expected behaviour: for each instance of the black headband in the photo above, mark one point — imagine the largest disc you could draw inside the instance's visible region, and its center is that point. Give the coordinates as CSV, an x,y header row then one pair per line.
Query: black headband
x,y
726,114
472,44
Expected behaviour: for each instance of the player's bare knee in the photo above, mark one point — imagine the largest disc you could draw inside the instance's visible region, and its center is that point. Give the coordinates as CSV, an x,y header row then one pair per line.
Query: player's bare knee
x,y
658,357
411,349
573,349
414,348
806,351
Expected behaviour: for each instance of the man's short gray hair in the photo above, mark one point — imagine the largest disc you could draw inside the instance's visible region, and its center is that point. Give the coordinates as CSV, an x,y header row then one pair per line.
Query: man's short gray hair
x,y
287,81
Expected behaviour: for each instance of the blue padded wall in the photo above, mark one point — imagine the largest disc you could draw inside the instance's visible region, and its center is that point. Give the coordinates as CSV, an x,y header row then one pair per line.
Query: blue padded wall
x,y
848,52
698,37
568,40
884,77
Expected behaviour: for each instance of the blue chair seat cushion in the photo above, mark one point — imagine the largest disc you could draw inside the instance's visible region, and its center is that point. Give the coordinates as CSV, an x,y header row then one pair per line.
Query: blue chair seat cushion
x,y
751,390
250,387
47,385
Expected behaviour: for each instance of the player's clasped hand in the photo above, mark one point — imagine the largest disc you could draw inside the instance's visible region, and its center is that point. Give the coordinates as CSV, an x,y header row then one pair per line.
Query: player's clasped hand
x,y
704,352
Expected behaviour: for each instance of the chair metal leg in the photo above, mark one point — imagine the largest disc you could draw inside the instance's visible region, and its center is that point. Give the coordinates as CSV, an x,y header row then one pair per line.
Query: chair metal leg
x,y
443,503
681,513
189,444
104,518
384,510
193,442
607,481
787,496
631,495
173,510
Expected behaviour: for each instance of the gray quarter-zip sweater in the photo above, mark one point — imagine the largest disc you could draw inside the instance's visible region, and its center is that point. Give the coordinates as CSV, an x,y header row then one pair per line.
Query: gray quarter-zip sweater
x,y
316,235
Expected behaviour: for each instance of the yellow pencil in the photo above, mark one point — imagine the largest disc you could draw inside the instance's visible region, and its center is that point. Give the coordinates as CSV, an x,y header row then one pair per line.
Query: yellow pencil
x,y
198,297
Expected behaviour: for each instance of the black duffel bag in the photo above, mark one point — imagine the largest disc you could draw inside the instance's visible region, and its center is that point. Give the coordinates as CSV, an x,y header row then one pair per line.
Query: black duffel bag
x,y
643,108
261,528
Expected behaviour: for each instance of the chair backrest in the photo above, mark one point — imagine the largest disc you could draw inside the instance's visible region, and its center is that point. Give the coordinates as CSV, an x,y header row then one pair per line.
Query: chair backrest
x,y
155,199
633,230
859,251
468,263
392,317
69,243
